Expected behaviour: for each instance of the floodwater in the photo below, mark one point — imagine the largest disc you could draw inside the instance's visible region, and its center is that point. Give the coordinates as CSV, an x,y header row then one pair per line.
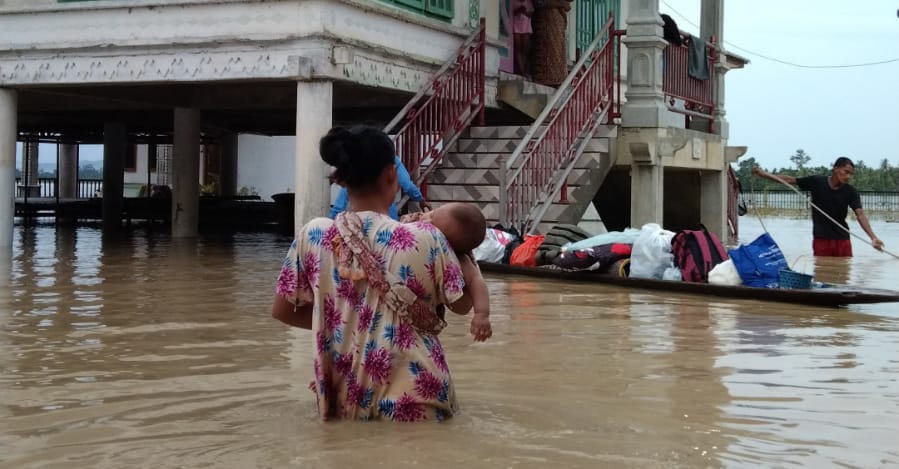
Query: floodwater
x,y
149,353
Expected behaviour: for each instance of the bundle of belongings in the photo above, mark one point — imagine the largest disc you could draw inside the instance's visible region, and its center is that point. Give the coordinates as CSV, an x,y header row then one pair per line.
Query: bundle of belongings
x,y
650,252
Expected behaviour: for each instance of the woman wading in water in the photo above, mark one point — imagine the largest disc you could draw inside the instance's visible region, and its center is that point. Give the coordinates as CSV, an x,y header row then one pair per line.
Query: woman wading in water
x,y
369,288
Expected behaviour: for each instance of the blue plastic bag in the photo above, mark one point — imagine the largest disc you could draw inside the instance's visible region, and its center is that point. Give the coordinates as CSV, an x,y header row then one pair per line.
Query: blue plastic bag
x,y
759,262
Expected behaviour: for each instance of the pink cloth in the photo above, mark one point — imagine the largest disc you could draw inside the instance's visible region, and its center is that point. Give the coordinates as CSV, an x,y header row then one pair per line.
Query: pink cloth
x,y
521,17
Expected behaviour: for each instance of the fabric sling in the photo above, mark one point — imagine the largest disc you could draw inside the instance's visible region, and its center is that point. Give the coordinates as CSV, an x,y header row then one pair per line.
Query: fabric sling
x,y
357,262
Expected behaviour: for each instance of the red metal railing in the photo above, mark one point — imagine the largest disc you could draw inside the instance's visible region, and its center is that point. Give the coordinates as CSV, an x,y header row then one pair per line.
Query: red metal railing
x,y
435,117
698,96
733,216
539,167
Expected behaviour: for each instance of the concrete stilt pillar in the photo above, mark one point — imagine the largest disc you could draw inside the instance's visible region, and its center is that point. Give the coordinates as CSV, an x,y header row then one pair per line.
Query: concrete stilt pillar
x,y
115,146
645,105
712,25
8,132
228,180
30,167
647,187
713,202
314,109
68,170
186,174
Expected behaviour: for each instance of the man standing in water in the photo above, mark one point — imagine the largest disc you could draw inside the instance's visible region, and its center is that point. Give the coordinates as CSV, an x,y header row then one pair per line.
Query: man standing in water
x,y
832,194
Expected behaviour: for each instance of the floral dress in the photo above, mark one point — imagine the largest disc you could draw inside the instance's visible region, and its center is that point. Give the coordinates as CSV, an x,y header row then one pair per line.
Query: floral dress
x,y
370,362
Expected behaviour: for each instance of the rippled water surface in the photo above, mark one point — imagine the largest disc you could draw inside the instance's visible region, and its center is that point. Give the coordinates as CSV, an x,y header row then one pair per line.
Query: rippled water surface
x,y
144,352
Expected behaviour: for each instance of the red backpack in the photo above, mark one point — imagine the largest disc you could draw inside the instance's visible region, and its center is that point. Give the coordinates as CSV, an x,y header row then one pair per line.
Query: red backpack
x,y
696,252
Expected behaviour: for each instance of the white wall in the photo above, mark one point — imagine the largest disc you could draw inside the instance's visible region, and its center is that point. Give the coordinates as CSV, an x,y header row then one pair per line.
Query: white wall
x,y
266,164
139,175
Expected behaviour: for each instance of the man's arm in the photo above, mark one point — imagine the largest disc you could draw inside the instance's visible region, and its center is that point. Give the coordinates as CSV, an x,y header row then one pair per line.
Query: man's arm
x,y
863,221
339,204
406,184
756,171
286,312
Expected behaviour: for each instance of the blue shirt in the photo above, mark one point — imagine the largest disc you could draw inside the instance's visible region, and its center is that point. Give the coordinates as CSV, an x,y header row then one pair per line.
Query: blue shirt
x,y
406,185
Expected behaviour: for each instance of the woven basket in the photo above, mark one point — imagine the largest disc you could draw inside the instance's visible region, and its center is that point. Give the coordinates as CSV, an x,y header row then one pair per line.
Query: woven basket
x,y
793,280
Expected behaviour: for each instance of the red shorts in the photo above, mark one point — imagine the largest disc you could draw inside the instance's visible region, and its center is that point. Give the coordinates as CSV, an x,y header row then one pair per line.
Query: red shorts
x,y
832,247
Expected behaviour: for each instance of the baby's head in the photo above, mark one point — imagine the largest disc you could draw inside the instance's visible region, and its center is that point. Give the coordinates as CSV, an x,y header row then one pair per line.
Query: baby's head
x,y
463,225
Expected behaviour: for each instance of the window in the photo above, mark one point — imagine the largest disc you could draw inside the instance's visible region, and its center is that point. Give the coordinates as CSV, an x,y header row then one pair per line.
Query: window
x,y
441,9
151,157
131,159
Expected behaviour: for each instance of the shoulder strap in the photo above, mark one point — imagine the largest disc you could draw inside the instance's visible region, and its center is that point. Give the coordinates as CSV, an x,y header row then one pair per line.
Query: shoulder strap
x,y
353,249
715,243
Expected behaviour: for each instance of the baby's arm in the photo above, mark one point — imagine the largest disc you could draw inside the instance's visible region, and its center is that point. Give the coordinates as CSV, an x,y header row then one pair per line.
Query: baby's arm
x,y
480,298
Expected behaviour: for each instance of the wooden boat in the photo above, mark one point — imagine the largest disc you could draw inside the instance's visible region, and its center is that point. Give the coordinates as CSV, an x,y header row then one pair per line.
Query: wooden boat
x,y
830,295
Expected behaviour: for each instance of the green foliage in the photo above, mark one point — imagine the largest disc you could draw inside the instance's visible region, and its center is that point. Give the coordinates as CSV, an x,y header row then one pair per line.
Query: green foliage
x,y
246,191
883,178
88,171
800,159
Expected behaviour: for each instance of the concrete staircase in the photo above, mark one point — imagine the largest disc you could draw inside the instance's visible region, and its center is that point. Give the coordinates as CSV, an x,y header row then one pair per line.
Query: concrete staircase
x,y
470,172
527,97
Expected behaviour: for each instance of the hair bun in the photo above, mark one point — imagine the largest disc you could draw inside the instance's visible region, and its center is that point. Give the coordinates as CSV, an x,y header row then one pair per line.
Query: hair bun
x,y
358,155
335,147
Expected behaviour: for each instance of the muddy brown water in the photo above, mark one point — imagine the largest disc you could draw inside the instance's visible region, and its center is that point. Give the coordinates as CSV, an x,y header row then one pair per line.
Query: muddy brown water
x,y
144,352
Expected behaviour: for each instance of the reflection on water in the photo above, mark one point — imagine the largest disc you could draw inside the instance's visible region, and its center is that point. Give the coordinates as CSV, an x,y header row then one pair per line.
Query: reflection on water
x,y
144,352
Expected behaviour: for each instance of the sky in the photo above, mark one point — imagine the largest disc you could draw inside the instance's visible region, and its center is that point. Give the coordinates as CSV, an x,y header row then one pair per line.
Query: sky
x,y
775,109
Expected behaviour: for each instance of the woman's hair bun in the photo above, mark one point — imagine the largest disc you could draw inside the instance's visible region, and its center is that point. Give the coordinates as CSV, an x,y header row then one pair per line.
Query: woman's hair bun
x,y
358,154
333,147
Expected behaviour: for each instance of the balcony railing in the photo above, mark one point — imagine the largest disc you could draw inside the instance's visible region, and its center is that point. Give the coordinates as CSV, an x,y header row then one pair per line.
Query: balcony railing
x,y
685,94
46,188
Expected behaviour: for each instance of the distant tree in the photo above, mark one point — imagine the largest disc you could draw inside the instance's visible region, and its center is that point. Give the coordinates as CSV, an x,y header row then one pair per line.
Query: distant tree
x,y
884,177
800,159
89,172
744,172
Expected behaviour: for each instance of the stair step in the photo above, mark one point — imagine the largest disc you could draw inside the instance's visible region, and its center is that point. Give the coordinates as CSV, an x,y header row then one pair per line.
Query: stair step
x,y
454,161
527,85
485,145
519,131
463,192
489,177
457,161
508,145
502,131
485,177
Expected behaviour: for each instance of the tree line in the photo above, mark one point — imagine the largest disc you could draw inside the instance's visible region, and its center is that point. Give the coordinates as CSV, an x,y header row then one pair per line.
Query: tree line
x,y
882,178
87,171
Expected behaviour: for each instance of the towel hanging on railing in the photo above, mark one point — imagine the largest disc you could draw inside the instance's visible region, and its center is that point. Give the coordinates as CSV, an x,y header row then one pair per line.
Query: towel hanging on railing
x,y
698,62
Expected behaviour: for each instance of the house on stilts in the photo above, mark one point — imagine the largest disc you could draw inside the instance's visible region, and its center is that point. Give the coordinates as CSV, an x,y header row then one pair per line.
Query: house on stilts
x,y
631,134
